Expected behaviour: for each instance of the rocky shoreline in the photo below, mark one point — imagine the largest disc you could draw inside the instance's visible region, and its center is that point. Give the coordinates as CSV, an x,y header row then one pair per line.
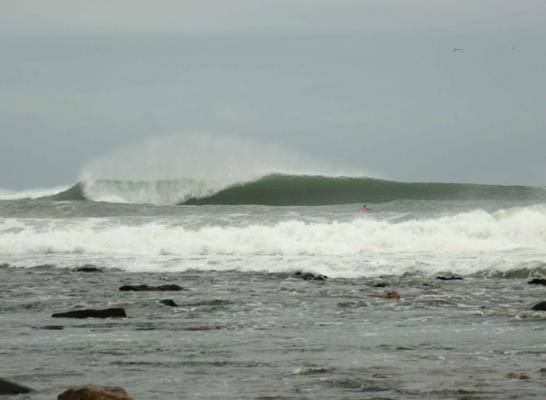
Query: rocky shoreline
x,y
377,289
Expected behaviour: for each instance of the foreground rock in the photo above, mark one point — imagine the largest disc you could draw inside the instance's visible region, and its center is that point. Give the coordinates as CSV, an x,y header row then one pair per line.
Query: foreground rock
x,y
449,278
7,387
148,288
168,302
537,281
92,392
88,268
540,306
89,313
309,276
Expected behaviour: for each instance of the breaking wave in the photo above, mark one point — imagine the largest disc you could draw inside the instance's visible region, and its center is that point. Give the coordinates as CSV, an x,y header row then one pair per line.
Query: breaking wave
x,y
286,190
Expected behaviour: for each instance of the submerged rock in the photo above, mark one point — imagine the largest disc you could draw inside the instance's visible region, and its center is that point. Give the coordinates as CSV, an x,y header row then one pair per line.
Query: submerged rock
x,y
51,327
449,278
4,265
7,387
380,284
88,268
389,294
45,266
215,303
148,288
537,281
90,313
92,392
168,302
515,375
540,306
309,276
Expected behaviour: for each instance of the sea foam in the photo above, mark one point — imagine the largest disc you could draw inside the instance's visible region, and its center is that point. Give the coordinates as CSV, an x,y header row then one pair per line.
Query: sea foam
x,y
328,245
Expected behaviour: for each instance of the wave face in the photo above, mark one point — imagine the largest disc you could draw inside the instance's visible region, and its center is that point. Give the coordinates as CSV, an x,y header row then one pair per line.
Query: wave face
x,y
290,190
468,242
284,190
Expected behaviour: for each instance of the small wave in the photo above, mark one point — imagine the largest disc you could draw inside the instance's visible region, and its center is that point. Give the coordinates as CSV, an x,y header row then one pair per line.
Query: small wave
x,y
6,194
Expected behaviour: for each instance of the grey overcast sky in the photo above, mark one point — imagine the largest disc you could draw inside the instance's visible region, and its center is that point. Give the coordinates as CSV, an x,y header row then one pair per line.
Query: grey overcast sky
x,y
373,84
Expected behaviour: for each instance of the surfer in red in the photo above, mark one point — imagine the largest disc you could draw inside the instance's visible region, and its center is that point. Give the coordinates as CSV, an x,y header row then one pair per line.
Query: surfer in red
x,y
364,208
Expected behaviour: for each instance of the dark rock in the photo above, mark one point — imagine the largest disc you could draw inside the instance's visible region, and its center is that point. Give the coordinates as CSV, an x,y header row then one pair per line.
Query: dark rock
x,y
514,375
380,284
88,268
209,303
309,276
168,302
51,327
92,392
540,306
148,288
537,281
106,313
7,387
4,265
449,278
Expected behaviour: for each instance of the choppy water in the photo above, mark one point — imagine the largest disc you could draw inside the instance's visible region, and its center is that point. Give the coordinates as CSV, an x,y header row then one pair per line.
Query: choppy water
x,y
247,328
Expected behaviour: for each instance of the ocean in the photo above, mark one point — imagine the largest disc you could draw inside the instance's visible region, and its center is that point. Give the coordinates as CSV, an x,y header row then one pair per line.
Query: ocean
x,y
284,289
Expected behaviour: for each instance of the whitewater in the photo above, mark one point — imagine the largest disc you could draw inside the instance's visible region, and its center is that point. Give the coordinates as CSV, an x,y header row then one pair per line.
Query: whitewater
x,y
394,238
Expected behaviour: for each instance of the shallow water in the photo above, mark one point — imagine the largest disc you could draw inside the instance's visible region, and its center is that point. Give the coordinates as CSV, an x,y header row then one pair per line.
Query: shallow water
x,y
274,336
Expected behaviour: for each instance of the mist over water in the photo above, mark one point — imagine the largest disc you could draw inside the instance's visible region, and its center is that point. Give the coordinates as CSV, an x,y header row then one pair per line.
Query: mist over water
x,y
171,169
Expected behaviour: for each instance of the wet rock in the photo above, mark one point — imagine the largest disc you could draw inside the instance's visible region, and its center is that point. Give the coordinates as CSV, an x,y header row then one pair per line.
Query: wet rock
x,y
148,288
392,294
542,370
51,327
4,265
380,284
92,392
309,276
540,306
88,268
168,302
7,387
537,281
516,375
209,303
90,313
449,278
